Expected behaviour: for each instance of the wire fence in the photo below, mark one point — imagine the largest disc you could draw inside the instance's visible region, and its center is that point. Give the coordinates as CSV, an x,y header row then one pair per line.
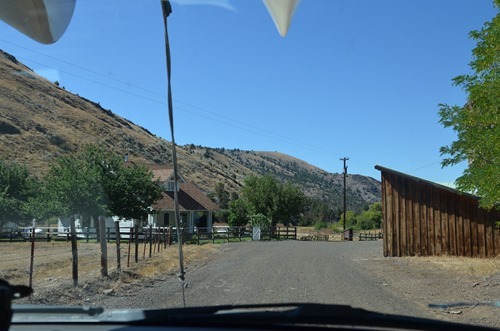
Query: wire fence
x,y
78,256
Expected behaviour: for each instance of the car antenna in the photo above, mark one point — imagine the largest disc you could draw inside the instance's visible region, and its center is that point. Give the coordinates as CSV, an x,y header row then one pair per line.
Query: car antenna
x,y
167,10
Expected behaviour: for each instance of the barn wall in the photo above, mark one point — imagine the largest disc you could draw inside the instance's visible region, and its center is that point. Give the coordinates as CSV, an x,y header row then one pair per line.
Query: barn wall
x,y
424,219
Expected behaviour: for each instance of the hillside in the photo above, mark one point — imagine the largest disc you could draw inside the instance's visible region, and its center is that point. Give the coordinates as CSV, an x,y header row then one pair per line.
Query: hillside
x,y
40,121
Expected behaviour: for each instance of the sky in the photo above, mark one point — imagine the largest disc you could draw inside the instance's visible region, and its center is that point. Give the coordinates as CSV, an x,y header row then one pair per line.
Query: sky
x,y
353,78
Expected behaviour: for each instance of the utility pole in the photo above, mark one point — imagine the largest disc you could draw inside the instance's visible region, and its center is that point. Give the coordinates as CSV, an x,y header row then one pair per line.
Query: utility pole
x,y
345,175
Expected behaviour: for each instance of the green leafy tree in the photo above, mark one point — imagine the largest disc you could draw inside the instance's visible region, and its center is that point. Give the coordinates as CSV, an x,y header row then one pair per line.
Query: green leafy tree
x,y
75,186
238,213
289,204
17,191
477,123
260,220
280,203
350,219
131,191
94,183
260,194
370,218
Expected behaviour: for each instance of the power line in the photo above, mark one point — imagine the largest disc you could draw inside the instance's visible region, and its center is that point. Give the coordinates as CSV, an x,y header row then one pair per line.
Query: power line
x,y
241,125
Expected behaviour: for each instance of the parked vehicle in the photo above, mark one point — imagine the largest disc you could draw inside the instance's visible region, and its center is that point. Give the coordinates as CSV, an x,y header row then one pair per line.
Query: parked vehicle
x,y
27,233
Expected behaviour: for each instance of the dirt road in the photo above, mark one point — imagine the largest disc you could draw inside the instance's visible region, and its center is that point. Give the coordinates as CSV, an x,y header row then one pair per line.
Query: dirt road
x,y
352,273
278,272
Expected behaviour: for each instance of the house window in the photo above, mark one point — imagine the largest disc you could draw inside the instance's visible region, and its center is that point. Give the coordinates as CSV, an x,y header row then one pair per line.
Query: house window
x,y
170,186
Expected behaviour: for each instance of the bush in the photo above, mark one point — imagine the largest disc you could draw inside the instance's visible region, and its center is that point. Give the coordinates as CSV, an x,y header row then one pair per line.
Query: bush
x,y
320,225
260,220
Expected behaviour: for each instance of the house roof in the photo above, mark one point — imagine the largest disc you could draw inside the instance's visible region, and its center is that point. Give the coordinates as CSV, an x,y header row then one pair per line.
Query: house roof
x,y
426,182
163,172
190,198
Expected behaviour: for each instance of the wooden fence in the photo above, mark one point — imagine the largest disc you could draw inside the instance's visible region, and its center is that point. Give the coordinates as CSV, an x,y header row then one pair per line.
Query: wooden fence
x,y
144,241
161,234
422,218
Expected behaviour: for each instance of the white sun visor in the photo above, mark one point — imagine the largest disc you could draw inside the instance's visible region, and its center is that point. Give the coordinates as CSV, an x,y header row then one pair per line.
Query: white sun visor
x,y
42,20
281,12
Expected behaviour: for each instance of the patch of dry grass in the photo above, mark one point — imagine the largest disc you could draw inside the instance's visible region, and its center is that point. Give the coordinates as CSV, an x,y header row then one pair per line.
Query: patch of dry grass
x,y
53,262
461,265
167,261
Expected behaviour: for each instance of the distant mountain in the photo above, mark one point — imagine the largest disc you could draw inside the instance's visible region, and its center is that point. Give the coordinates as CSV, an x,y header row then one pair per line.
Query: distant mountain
x,y
40,121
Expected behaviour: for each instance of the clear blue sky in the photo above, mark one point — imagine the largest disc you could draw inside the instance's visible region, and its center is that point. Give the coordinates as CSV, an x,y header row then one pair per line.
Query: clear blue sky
x,y
361,79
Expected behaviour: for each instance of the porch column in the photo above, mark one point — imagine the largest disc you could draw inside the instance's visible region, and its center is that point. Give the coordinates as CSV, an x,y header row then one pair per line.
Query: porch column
x,y
152,220
209,220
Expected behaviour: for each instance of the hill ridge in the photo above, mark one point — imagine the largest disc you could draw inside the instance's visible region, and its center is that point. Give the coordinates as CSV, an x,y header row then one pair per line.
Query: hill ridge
x,y
40,121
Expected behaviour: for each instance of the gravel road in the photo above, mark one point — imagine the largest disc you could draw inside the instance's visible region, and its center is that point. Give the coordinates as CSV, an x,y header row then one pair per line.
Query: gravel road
x,y
277,272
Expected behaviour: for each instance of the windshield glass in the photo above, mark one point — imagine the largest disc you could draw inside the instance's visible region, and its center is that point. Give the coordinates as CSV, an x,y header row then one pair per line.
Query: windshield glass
x,y
308,161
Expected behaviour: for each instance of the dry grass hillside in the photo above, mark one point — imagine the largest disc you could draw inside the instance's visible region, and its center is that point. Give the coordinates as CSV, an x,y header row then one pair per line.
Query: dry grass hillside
x,y
40,121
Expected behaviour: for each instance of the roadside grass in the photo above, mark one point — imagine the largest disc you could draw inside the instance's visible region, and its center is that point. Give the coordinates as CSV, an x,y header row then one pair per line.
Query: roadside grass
x,y
167,261
53,262
475,267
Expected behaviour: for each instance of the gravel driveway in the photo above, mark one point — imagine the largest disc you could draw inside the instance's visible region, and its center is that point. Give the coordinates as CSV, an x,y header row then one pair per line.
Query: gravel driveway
x,y
278,272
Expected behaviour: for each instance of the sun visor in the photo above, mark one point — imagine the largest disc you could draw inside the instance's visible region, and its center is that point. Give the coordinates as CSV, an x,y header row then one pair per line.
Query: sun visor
x,y
281,12
42,20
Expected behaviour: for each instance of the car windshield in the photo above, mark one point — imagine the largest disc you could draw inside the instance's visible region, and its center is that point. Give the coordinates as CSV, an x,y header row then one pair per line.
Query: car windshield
x,y
317,147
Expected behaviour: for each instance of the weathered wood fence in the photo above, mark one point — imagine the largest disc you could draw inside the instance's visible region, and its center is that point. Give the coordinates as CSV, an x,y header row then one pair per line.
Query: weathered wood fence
x,y
422,218
370,236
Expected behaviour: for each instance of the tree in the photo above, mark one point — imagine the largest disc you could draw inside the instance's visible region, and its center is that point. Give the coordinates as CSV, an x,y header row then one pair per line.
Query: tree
x,y
260,220
351,219
289,204
238,213
94,183
131,191
74,184
280,203
370,218
477,123
260,194
17,190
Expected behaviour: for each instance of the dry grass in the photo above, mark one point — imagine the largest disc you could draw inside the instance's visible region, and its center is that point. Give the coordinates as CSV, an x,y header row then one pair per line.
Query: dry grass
x,y
474,267
53,262
167,261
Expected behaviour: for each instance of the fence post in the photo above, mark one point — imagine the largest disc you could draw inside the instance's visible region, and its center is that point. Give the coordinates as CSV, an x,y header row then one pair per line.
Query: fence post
x,y
104,248
108,234
164,237
32,253
130,237
150,239
145,244
74,250
158,241
136,230
118,241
